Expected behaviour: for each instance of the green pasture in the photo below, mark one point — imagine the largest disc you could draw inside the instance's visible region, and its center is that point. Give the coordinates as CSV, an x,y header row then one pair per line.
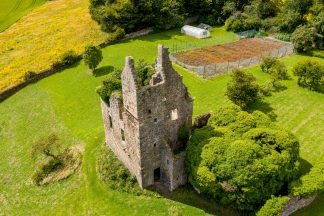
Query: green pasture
x,y
66,103
12,10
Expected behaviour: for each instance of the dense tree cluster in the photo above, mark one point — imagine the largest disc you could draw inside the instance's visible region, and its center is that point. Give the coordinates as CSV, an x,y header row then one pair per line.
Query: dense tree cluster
x,y
241,159
303,18
131,15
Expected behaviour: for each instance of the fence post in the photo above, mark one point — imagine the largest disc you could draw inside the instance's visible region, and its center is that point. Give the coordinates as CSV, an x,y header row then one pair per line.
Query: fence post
x,y
227,65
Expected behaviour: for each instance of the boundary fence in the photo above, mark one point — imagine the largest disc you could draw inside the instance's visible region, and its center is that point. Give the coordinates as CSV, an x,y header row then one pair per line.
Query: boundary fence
x,y
220,68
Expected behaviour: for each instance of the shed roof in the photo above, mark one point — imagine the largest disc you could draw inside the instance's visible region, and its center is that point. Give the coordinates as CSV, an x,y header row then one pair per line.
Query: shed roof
x,y
204,26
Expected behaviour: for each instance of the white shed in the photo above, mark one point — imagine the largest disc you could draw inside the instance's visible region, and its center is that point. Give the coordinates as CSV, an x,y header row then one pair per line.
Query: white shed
x,y
195,32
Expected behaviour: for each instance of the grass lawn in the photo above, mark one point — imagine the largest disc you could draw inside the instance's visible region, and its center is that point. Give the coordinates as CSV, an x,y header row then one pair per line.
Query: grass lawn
x,y
66,103
12,10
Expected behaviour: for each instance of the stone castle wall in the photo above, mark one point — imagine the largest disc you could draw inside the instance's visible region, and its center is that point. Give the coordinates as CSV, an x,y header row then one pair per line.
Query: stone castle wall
x,y
142,128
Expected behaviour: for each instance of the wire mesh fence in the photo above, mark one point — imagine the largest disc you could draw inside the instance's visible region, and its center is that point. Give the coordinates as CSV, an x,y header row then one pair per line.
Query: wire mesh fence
x,y
220,68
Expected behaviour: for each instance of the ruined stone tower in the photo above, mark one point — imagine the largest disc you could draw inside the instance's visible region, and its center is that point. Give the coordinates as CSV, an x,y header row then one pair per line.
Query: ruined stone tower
x,y
142,127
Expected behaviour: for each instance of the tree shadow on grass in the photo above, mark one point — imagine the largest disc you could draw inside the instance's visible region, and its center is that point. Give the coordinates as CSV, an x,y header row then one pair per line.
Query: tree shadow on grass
x,y
103,71
263,107
188,196
305,166
279,88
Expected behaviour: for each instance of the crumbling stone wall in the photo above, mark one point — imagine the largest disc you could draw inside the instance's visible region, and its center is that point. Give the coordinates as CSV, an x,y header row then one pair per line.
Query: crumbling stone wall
x,y
142,128
296,203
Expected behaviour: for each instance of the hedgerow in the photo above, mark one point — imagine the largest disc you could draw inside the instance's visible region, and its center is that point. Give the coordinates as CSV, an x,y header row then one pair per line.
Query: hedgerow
x,y
310,184
273,207
241,159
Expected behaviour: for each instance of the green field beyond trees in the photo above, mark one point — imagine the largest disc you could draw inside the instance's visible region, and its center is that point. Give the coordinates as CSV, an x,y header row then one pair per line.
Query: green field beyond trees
x,y
67,104
12,10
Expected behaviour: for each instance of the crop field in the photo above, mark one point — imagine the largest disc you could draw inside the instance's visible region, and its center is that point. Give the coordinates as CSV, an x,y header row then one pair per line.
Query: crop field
x,y
12,10
66,104
230,52
40,38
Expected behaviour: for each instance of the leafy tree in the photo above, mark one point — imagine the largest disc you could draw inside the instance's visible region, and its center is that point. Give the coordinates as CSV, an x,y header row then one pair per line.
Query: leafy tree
x,y
47,147
241,159
267,63
92,57
303,38
243,89
266,8
275,68
242,22
309,73
278,72
135,15
318,24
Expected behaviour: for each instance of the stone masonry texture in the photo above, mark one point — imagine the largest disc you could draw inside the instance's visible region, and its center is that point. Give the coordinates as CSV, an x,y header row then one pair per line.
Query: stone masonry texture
x,y
142,127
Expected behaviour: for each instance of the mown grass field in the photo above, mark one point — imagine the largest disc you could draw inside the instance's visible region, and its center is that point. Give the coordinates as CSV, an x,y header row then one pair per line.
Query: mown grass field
x,y
12,10
66,103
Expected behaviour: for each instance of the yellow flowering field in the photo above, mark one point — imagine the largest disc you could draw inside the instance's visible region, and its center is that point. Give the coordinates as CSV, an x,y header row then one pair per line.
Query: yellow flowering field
x,y
40,38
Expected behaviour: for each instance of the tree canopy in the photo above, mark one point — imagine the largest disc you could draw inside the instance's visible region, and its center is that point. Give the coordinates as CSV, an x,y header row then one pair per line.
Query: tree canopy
x,y
241,159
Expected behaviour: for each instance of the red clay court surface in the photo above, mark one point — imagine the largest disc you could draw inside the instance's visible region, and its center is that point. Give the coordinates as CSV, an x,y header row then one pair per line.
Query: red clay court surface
x,y
230,52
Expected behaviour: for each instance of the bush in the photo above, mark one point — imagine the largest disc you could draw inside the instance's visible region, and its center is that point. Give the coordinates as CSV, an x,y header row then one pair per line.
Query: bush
x,y
69,58
309,73
46,168
110,85
311,184
113,173
119,33
267,63
243,89
283,37
242,22
144,71
303,38
241,159
183,134
273,207
92,57
48,147
30,75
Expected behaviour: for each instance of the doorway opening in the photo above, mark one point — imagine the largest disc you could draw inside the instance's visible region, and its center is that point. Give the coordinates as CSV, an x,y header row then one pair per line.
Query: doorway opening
x,y
157,174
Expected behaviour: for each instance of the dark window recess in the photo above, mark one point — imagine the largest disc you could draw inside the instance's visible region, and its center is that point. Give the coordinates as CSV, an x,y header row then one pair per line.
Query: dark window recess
x,y
122,134
168,162
149,111
155,120
110,122
157,174
154,144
